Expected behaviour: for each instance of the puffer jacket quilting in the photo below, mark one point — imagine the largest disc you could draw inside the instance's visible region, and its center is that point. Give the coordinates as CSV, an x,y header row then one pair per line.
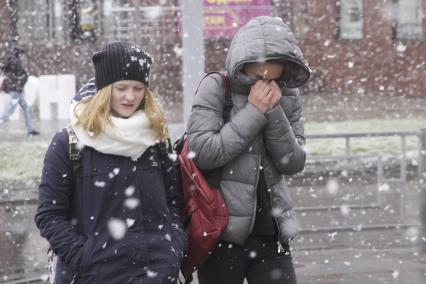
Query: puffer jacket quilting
x,y
251,139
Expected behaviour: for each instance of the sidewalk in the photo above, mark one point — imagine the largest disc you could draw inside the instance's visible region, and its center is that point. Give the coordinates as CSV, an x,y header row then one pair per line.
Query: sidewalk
x,y
351,257
350,266
361,266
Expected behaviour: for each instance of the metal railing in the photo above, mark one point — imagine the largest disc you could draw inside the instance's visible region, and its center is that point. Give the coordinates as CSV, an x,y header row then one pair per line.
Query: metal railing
x,y
421,135
381,180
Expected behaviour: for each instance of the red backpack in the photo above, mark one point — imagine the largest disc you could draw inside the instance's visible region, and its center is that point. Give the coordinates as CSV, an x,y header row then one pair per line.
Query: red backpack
x,y
204,214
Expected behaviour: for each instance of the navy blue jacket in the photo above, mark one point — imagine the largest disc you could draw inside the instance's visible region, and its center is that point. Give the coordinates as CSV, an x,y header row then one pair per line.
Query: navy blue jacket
x,y
73,213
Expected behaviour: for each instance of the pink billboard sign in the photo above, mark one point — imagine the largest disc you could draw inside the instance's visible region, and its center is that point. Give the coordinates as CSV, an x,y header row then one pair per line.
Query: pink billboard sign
x,y
222,18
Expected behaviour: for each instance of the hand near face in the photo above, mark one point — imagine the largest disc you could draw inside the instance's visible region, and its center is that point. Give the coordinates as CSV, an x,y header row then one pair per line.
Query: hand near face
x,y
265,95
259,95
275,94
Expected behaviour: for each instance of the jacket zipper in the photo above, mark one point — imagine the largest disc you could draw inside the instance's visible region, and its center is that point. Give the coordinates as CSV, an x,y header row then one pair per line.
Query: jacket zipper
x,y
259,164
280,248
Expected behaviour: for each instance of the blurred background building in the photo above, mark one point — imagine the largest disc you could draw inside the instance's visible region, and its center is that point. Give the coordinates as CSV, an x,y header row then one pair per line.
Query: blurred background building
x,y
358,198
354,47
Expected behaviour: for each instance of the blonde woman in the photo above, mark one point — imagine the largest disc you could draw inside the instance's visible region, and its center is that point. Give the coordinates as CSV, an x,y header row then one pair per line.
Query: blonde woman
x,y
113,219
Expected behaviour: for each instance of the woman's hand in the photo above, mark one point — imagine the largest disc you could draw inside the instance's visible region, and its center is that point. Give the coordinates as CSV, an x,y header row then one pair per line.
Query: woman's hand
x,y
265,95
275,94
260,95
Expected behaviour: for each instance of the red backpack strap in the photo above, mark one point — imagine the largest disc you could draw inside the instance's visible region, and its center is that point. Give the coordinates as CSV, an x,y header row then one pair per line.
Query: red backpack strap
x,y
226,83
177,146
227,93
228,97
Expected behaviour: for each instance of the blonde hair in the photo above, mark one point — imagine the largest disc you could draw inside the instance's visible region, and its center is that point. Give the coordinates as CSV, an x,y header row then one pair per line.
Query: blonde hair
x,y
93,113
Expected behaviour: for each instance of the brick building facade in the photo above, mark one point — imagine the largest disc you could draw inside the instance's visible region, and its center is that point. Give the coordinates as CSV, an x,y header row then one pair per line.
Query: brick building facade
x,y
378,62
369,53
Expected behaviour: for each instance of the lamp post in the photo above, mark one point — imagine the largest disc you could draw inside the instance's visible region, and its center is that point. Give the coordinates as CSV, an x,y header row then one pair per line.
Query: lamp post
x,y
193,51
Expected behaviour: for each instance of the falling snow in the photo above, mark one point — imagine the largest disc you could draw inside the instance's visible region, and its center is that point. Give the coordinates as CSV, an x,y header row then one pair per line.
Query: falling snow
x,y
130,222
191,155
129,191
370,84
151,273
131,203
117,228
100,183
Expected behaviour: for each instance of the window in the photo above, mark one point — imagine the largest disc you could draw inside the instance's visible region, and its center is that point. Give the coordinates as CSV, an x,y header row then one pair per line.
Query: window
x,y
118,19
87,19
409,19
351,19
57,20
41,20
33,20
135,21
59,25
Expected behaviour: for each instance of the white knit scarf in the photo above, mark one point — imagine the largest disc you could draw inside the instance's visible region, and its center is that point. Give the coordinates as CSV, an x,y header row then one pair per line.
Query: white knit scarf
x,y
125,137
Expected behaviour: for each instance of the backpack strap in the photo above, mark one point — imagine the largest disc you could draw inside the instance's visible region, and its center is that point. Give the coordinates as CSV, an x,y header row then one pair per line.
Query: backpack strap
x,y
214,176
177,146
75,154
74,149
228,97
165,148
227,93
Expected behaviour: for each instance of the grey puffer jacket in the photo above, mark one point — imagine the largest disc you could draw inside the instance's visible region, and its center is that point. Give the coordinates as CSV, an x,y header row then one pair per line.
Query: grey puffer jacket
x,y
251,139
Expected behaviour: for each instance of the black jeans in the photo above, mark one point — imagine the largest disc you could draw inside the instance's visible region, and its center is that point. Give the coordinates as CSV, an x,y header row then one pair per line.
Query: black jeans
x,y
257,260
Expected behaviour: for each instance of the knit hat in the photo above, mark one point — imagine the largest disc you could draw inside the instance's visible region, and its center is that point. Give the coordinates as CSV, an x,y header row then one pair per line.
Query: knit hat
x,y
121,61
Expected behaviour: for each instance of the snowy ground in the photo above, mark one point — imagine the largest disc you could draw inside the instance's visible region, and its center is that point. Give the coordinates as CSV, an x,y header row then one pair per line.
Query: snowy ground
x,y
331,256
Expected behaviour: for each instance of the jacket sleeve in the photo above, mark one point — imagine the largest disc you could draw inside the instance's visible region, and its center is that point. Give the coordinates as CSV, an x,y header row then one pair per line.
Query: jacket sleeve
x,y
284,134
54,197
216,143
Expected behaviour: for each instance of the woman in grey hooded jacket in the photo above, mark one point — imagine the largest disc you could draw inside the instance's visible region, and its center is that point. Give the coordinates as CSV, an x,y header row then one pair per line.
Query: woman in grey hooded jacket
x,y
260,144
